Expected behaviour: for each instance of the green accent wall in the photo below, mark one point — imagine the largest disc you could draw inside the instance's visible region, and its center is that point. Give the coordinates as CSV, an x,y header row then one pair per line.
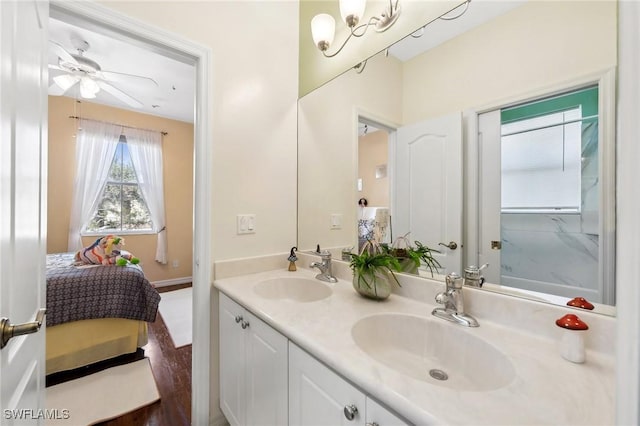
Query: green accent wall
x,y
587,98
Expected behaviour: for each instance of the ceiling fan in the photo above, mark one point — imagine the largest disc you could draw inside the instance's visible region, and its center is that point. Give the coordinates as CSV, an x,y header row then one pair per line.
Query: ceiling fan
x,y
79,69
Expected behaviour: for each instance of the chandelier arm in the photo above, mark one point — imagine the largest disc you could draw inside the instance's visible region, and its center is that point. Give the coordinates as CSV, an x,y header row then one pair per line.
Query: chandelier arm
x,y
351,34
372,21
451,18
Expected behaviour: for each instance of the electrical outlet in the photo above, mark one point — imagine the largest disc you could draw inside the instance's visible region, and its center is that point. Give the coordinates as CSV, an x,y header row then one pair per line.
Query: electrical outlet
x,y
175,263
246,224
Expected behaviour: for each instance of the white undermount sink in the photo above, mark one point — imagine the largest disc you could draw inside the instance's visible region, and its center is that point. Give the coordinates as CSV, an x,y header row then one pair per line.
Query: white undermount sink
x,y
433,351
293,288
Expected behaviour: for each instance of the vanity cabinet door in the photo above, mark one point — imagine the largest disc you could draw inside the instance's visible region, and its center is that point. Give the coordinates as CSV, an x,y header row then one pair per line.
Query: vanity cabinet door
x,y
232,362
377,415
266,374
318,396
253,368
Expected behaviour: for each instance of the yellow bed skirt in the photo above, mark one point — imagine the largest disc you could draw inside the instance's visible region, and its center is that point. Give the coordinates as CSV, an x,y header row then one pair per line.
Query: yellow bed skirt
x,y
75,344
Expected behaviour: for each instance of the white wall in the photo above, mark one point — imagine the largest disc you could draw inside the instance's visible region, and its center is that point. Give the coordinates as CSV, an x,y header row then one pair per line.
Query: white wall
x,y
537,45
328,148
255,80
628,235
254,45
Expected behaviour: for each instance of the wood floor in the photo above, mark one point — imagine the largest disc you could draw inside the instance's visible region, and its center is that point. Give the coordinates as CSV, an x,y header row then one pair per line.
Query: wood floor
x,y
172,371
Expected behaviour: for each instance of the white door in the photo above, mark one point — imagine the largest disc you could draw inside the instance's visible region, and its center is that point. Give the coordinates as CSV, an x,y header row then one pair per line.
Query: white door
x,y
490,172
318,396
23,159
428,187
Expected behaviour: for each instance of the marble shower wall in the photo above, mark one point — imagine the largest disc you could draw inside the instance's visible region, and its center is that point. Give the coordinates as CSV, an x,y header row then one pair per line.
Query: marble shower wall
x,y
557,253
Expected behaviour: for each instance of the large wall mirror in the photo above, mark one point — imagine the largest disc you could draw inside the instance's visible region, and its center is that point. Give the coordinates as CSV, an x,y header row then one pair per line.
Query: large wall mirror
x,y
475,122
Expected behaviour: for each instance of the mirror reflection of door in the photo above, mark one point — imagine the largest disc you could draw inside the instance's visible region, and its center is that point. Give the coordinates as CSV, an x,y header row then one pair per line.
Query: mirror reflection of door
x,y
428,188
539,192
373,183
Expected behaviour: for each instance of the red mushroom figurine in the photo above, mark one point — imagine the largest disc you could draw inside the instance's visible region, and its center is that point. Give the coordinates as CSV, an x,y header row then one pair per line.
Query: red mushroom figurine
x,y
572,342
580,302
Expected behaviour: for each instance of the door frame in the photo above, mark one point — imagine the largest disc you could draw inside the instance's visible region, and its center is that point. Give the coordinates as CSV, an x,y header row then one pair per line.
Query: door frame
x,y
201,57
606,81
362,114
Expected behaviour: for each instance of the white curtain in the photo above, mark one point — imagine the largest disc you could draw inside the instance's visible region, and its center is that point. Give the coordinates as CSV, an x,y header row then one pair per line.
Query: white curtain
x,y
96,144
145,148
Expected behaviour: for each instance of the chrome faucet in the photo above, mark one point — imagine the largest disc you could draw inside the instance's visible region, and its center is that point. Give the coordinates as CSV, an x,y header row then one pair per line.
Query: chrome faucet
x,y
453,302
324,266
473,277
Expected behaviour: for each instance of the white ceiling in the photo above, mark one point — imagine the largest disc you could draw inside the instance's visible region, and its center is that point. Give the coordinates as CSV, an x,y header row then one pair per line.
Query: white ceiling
x,y
440,30
174,96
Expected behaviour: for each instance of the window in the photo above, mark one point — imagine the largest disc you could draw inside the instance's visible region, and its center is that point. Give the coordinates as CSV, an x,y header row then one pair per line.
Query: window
x,y
121,206
544,144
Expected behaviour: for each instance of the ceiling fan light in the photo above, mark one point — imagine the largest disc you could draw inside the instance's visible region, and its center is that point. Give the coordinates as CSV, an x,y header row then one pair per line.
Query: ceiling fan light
x,y
88,88
65,81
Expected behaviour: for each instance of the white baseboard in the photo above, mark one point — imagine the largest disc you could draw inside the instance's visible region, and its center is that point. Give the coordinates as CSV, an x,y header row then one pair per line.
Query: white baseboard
x,y
172,281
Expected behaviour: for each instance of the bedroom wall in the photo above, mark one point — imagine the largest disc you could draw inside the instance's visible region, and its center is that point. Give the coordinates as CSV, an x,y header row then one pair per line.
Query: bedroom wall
x,y
373,151
178,183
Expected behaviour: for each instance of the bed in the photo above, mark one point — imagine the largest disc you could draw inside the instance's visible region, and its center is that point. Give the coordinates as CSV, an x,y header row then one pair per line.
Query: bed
x,y
95,312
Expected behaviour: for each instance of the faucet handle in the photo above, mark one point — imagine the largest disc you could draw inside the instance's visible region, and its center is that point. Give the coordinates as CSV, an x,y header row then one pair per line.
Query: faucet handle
x,y
324,254
442,298
453,280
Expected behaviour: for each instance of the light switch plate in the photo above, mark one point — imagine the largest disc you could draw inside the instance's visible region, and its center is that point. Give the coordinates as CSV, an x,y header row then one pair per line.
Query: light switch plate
x,y
246,224
336,221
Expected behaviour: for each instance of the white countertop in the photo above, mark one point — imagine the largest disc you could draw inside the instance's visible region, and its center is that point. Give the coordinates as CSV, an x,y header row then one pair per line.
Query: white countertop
x,y
546,390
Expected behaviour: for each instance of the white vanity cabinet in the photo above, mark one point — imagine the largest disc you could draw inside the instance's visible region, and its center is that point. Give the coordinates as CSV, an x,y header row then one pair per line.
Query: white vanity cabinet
x,y
377,415
253,368
318,396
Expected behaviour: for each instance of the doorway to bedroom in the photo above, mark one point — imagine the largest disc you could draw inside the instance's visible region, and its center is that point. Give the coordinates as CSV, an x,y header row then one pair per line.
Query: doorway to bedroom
x,y
112,80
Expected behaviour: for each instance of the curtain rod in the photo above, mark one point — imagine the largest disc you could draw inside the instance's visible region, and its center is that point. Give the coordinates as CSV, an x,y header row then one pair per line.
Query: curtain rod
x,y
116,124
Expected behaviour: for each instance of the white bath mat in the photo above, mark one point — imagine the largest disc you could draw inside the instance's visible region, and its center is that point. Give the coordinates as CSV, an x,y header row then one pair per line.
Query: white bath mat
x,y
103,395
176,312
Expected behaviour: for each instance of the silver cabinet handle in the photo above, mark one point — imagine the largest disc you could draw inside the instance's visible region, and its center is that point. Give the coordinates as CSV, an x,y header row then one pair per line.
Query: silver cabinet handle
x,y
238,318
8,330
372,424
452,245
350,411
244,324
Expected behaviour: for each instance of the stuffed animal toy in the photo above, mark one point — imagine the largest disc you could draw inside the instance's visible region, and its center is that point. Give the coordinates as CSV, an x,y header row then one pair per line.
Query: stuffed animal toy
x,y
106,251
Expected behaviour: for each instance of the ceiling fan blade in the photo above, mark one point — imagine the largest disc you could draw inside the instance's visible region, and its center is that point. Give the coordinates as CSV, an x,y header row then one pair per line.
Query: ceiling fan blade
x,y
56,67
120,94
62,53
118,76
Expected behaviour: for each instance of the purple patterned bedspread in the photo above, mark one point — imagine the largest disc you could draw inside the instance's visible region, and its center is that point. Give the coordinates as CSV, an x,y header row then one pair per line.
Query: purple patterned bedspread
x,y
79,293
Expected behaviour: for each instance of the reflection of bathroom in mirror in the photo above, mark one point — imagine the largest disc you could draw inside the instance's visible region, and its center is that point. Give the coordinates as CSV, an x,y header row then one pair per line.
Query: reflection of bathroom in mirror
x,y
526,52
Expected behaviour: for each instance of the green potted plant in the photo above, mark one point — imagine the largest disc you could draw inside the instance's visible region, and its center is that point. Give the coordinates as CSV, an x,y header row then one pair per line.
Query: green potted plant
x,y
411,257
373,270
